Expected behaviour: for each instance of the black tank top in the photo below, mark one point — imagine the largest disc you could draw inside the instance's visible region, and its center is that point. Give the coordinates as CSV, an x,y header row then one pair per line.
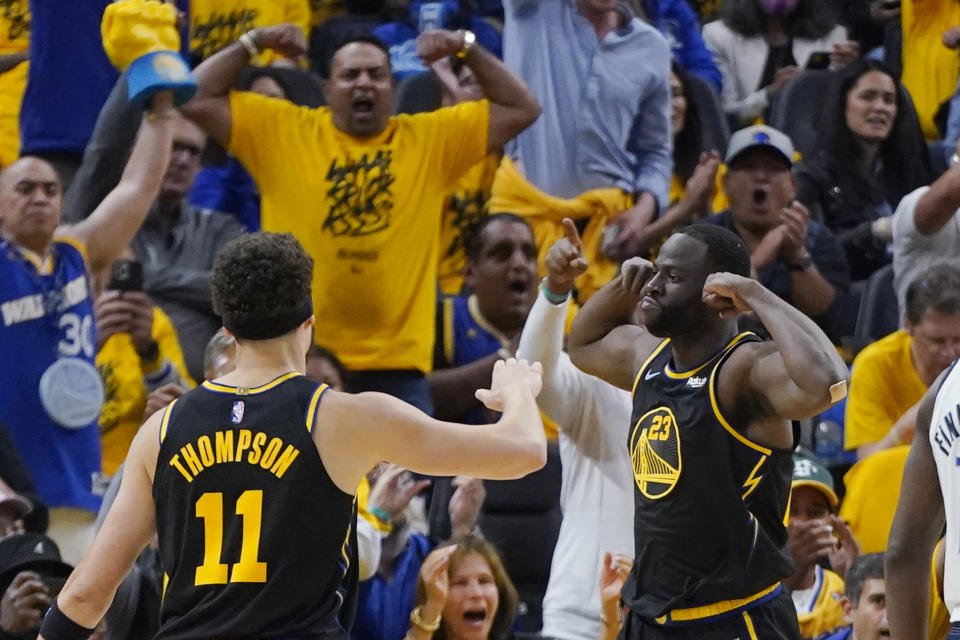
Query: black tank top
x,y
710,505
256,541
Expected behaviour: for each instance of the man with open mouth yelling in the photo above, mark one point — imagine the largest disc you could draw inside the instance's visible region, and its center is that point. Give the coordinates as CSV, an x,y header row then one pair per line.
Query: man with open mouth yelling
x,y
361,190
795,257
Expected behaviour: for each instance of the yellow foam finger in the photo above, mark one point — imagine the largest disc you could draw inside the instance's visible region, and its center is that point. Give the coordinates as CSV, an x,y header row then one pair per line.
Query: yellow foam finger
x,y
133,28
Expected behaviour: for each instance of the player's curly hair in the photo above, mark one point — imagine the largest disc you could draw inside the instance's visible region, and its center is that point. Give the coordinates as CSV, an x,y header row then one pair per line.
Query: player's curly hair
x,y
261,285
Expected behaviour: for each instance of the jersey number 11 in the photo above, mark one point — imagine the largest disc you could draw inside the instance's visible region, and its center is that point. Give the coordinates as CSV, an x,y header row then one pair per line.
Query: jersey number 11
x,y
250,507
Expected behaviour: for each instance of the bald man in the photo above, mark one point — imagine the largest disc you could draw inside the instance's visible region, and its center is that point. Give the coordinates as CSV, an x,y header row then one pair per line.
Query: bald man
x,y
51,391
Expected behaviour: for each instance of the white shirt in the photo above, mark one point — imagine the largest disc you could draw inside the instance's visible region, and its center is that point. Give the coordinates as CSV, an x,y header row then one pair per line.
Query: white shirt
x,y
945,445
596,493
914,252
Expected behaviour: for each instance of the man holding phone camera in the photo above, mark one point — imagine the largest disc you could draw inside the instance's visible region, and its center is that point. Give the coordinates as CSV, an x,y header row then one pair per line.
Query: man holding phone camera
x,y
52,393
137,352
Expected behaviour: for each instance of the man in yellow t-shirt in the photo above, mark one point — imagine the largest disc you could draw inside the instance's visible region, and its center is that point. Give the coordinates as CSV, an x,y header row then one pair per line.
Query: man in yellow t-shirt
x,y
14,42
215,24
929,68
891,375
361,190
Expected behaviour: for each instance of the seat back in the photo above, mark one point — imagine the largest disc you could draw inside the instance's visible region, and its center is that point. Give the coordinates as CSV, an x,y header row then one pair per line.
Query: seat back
x,y
417,92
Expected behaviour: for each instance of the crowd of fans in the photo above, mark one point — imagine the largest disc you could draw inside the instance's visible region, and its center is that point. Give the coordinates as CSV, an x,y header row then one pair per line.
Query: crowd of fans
x,y
431,230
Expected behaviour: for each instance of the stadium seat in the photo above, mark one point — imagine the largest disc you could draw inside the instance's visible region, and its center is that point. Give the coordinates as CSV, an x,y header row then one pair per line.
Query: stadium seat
x,y
416,93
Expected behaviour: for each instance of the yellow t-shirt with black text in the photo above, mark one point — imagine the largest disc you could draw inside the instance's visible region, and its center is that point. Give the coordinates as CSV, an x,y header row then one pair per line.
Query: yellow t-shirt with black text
x,y
126,394
883,385
215,24
367,210
930,69
14,38
464,206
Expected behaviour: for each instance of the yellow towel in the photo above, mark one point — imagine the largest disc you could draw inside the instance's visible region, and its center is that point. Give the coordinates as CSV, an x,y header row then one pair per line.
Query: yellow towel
x,y
512,193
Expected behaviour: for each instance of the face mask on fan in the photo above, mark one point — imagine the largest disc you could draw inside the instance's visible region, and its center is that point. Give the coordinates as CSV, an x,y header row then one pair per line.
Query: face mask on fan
x,y
778,8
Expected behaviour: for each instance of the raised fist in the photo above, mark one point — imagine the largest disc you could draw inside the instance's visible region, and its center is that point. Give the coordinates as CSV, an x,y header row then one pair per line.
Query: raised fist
x,y
133,28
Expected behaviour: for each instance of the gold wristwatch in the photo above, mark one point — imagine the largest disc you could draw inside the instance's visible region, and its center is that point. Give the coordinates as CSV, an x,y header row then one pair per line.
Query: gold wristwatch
x,y
469,39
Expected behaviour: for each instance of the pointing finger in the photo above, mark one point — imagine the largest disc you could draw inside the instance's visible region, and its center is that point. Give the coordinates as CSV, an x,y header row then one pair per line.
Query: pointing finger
x,y
570,232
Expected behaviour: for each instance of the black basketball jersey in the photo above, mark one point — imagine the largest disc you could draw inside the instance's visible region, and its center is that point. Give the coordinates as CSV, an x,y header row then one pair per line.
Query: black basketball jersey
x,y
710,504
256,541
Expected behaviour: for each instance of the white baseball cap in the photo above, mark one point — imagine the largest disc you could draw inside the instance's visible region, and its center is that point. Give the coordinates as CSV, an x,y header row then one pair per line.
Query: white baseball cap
x,y
759,135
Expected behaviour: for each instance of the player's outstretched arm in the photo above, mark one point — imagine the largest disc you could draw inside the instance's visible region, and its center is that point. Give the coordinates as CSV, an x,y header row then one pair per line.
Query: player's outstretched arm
x,y
916,527
110,228
128,527
210,107
357,431
604,340
801,374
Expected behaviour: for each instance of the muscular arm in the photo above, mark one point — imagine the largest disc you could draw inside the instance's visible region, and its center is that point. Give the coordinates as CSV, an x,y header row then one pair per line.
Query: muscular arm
x,y
112,225
127,529
605,342
916,526
796,376
939,204
210,107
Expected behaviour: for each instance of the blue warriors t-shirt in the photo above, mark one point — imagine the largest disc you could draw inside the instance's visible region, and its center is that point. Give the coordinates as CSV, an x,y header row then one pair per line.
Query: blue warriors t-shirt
x,y
464,336
47,313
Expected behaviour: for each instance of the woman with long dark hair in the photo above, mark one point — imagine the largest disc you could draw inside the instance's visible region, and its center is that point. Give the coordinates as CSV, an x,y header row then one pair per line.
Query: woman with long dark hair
x,y
870,154
694,168
760,45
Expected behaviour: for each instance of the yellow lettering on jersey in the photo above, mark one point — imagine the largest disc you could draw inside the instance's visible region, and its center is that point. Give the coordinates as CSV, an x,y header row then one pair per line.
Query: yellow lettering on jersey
x,y
224,442
243,443
270,454
284,461
175,463
220,450
190,456
255,452
206,450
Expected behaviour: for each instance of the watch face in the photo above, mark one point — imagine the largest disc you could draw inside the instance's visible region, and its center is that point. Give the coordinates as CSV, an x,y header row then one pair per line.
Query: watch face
x,y
955,159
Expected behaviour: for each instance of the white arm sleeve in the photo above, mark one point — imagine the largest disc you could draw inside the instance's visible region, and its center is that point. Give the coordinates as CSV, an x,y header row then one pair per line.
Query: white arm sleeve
x,y
368,548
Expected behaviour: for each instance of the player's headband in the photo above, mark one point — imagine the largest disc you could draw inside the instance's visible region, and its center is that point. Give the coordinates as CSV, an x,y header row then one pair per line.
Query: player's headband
x,y
265,327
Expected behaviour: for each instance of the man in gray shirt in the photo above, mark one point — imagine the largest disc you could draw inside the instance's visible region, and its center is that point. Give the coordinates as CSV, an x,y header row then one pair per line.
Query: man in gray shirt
x,y
602,78
926,230
177,242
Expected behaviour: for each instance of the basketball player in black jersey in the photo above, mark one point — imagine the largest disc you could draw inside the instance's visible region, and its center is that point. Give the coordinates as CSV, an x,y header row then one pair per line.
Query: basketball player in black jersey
x,y
249,480
710,438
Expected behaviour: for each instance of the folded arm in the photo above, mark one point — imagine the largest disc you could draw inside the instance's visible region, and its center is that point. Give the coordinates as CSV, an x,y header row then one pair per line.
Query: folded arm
x,y
801,374
604,340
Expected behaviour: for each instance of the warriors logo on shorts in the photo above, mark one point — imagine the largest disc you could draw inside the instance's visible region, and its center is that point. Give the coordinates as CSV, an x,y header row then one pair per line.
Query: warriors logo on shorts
x,y
655,453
